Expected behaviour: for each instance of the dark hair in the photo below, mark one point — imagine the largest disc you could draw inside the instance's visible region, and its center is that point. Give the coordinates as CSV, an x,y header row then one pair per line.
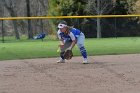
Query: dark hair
x,y
63,22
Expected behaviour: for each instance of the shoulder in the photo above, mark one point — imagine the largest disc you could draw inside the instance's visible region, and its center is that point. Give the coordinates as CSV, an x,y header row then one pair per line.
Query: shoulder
x,y
74,29
58,32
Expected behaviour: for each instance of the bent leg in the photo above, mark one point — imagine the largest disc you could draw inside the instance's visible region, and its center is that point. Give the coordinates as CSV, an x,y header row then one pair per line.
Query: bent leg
x,y
80,44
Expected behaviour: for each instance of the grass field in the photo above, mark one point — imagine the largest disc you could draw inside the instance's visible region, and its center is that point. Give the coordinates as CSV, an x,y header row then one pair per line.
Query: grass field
x,y
37,49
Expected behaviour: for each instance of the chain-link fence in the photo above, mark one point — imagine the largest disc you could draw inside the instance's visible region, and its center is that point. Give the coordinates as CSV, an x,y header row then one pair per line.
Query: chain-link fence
x,y
100,27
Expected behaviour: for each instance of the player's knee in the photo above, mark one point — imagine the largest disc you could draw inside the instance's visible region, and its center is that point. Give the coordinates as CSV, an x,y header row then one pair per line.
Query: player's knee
x,y
80,45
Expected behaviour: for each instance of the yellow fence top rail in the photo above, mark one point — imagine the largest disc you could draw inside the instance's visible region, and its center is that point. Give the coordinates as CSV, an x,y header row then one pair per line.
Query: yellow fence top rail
x,y
61,17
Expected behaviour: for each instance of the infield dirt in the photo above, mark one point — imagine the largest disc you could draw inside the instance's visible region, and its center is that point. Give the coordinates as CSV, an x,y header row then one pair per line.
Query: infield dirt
x,y
104,74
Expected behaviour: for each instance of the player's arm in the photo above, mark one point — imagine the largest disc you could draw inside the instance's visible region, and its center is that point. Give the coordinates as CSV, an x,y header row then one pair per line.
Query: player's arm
x,y
61,41
73,44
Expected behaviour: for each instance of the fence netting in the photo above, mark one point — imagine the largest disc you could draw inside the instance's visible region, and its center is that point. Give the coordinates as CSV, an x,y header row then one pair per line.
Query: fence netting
x,y
20,29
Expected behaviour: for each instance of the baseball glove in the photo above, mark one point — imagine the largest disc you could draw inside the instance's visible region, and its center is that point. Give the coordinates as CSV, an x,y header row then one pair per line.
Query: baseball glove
x,y
68,54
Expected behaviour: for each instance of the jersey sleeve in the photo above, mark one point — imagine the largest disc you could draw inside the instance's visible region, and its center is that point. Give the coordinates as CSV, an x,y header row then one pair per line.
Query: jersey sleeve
x,y
72,36
58,34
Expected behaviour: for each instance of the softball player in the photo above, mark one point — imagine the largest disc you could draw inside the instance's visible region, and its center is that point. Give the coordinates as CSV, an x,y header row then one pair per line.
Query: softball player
x,y
68,38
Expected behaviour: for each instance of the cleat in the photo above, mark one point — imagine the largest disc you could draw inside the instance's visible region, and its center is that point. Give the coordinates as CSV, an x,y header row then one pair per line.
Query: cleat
x,y
61,61
85,61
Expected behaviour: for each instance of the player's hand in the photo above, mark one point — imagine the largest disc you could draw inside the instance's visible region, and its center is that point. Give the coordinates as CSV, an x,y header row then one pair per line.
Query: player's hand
x,y
61,46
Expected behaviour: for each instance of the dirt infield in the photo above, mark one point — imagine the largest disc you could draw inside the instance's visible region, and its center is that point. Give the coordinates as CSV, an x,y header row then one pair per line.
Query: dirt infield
x,y
105,74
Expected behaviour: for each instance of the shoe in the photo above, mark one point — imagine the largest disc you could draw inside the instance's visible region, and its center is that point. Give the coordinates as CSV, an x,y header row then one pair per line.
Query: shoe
x,y
61,61
85,61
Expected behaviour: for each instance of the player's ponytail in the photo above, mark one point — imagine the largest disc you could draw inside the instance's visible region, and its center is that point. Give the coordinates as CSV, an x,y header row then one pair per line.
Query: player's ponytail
x,y
67,30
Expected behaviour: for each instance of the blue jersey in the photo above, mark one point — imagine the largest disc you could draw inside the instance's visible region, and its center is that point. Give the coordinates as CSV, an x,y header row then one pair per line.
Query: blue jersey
x,y
73,35
76,32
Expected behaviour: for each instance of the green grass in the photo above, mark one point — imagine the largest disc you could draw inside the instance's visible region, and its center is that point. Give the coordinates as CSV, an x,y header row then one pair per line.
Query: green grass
x,y
23,38
37,49
108,46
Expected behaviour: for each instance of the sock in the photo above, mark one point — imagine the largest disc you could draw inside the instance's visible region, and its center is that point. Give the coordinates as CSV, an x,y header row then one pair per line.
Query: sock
x,y
61,55
83,52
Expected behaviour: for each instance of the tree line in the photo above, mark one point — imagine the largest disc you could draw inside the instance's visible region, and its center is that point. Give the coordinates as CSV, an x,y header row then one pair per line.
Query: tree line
x,y
24,8
92,27
100,27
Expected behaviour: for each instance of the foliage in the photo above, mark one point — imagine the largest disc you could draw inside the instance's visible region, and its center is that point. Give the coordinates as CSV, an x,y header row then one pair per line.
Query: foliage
x,y
99,7
111,27
66,8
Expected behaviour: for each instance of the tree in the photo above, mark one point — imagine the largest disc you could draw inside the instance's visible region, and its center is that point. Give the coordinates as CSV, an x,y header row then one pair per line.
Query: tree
x,y
30,33
2,27
39,8
137,6
99,7
10,6
14,8
126,26
67,8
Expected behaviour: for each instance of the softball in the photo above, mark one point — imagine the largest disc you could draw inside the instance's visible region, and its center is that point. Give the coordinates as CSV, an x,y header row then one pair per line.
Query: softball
x,y
58,50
